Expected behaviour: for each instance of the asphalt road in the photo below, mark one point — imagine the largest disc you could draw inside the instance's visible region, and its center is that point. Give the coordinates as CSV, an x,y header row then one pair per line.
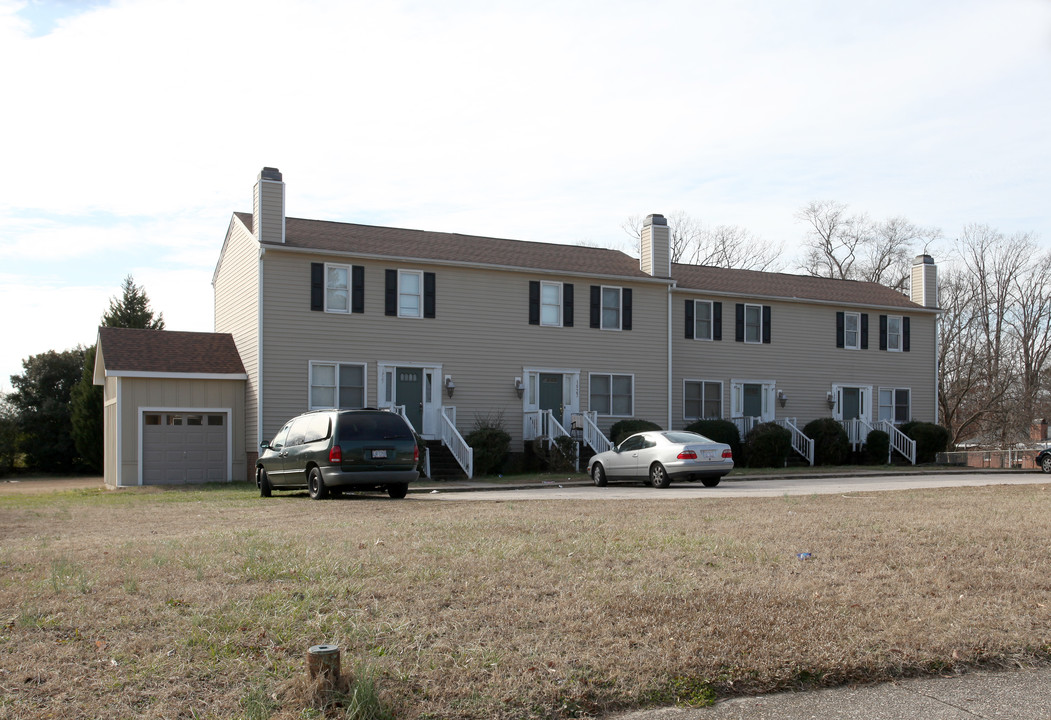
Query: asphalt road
x,y
772,487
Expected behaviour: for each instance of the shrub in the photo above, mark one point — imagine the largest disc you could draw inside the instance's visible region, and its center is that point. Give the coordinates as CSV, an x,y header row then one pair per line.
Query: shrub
x,y
831,444
557,457
877,447
930,439
490,443
768,445
623,428
722,431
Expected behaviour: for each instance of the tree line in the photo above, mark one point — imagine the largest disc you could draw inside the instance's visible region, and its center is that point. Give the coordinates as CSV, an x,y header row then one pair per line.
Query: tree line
x,y
52,419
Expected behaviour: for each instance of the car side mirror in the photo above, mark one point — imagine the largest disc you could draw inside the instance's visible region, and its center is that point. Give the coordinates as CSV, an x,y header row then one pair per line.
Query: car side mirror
x,y
264,445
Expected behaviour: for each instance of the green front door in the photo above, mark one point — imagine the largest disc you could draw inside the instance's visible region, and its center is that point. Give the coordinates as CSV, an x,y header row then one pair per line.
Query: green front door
x,y
753,400
551,395
851,403
409,392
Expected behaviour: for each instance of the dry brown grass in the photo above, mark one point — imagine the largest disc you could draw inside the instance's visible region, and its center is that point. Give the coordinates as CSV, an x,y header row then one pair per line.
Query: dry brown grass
x,y
202,604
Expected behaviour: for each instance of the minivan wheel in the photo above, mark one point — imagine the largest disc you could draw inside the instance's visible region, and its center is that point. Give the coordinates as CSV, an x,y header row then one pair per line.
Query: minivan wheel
x,y
263,482
397,490
316,485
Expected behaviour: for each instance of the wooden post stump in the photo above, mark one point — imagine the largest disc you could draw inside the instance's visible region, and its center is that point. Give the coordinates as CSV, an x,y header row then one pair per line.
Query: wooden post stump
x,y
323,660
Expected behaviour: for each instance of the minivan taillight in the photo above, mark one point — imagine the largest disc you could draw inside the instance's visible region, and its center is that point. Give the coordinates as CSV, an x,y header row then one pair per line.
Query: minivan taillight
x,y
415,453
335,455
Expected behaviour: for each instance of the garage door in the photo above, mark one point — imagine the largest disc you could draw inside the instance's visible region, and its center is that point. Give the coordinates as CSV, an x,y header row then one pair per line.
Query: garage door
x,y
180,448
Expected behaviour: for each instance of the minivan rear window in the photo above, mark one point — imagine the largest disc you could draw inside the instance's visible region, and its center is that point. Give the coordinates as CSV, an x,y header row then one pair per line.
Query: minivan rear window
x,y
368,426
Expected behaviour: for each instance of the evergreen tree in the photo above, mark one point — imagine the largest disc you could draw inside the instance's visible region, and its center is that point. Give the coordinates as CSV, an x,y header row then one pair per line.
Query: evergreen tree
x,y
41,399
131,310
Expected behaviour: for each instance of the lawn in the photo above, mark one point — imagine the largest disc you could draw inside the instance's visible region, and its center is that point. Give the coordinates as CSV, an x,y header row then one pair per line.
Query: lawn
x,y
202,603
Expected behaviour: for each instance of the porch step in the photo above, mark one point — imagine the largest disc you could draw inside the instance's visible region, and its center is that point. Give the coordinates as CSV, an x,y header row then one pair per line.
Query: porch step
x,y
443,463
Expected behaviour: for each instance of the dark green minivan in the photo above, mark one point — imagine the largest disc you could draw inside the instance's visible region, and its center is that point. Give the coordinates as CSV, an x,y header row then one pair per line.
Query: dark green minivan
x,y
329,451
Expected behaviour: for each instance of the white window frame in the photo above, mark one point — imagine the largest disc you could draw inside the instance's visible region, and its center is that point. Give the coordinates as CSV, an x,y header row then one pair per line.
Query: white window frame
x,y
898,335
350,289
418,294
611,375
697,315
702,383
857,330
893,403
336,365
558,306
602,308
769,388
759,326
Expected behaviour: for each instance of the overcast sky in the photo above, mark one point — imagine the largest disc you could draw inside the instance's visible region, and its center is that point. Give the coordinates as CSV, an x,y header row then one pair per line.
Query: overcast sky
x,y
132,129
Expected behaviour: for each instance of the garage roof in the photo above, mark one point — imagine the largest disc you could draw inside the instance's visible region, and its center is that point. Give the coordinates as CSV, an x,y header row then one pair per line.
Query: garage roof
x,y
126,352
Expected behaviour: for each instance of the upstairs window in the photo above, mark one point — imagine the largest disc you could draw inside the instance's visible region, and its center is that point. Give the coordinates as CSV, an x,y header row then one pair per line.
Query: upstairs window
x,y
337,288
753,323
551,303
409,293
610,308
894,333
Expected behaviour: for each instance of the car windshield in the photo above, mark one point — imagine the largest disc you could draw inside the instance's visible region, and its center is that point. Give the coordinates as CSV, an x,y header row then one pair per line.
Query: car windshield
x,y
685,437
372,426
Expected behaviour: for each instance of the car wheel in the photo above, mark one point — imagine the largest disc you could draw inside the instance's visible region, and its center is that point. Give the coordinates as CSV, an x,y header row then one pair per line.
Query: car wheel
x,y
598,475
397,490
659,476
263,483
710,482
316,485
1045,464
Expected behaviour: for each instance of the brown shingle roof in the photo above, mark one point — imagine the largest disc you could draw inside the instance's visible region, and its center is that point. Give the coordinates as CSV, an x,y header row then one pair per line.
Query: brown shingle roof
x,y
451,247
782,285
165,351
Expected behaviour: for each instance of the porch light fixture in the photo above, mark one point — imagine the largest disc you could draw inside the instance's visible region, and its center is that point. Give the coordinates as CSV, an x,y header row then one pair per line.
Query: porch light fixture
x,y
519,387
830,399
450,386
782,398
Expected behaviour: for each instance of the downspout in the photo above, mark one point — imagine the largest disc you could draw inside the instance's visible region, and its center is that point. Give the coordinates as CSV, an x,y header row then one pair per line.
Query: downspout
x,y
937,362
670,389
259,359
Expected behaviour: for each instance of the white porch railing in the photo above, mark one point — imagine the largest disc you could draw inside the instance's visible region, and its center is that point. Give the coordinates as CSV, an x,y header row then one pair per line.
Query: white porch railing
x,y
590,432
542,424
899,442
745,424
453,440
800,442
857,432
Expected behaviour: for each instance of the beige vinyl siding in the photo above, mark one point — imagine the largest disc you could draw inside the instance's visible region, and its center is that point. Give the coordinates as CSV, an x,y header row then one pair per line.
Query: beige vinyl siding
x,y
802,358
237,313
268,211
173,394
481,336
109,433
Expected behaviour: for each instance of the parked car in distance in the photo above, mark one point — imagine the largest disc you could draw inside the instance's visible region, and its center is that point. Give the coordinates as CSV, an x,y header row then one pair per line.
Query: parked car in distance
x,y
329,451
1043,460
661,456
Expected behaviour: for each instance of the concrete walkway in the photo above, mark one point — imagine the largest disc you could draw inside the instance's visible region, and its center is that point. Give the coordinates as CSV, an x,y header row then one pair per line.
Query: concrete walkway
x,y
1003,695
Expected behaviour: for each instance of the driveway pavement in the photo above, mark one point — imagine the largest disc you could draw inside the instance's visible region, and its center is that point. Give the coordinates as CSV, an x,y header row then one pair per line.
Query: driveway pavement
x,y
1006,695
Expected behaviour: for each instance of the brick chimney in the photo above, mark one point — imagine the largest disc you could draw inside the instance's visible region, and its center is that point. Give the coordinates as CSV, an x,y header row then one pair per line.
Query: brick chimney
x,y
268,207
655,259
924,287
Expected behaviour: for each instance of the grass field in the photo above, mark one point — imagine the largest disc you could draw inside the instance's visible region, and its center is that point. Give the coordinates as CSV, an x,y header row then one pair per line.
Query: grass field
x,y
202,603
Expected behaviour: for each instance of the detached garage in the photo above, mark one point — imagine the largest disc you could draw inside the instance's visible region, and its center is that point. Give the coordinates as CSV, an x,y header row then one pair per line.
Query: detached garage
x,y
173,407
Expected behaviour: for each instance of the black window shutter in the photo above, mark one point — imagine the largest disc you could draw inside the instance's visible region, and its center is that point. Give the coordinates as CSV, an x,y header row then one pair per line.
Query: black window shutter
x,y
717,321
534,302
689,319
596,306
357,273
625,299
882,332
739,330
905,343
567,305
840,329
390,296
428,295
317,286
767,312
864,331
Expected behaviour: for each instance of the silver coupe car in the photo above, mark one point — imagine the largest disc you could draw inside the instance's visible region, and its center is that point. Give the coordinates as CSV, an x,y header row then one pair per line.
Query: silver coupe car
x,y
661,456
